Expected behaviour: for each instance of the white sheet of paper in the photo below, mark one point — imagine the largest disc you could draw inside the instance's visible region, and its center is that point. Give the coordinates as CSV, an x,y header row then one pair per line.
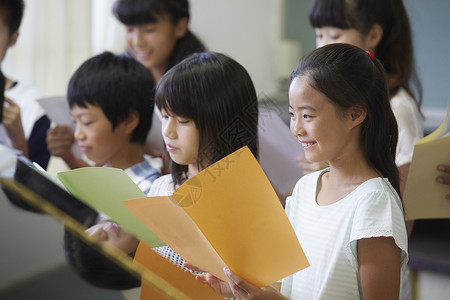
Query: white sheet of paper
x,y
277,151
57,110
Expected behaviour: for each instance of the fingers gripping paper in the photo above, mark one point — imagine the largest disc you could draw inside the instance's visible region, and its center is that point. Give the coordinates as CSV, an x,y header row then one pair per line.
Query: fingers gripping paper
x,y
424,198
228,214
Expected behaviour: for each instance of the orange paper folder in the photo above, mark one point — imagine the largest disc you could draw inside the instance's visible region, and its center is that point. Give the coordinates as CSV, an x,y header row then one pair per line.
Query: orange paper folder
x,y
227,215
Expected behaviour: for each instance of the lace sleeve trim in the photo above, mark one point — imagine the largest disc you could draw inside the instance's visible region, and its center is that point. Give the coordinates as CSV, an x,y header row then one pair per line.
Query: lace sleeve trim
x,y
352,252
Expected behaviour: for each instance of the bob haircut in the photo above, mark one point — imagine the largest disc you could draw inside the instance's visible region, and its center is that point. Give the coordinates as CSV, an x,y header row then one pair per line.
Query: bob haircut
x,y
218,94
140,12
119,86
348,77
395,49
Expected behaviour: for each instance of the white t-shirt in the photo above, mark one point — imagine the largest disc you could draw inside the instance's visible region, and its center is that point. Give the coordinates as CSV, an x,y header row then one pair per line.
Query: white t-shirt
x,y
329,235
409,122
163,186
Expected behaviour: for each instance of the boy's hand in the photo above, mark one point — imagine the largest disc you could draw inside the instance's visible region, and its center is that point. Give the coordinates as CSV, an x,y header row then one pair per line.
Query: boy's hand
x,y
13,125
60,141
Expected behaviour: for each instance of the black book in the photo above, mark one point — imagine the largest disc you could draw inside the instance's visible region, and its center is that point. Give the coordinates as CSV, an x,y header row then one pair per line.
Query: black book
x,y
51,192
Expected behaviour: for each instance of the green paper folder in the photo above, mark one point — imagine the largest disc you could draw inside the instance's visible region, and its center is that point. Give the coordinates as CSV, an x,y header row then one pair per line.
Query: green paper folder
x,y
103,189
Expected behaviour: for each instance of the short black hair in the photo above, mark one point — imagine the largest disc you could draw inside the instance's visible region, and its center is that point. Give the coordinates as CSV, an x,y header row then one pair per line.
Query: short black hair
x,y
12,13
119,85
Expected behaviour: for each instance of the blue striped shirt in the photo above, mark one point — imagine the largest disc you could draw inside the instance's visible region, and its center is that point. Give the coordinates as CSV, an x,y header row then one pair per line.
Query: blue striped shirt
x,y
143,175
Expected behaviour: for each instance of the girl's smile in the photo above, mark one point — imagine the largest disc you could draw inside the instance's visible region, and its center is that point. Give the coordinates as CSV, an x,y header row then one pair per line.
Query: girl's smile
x,y
307,145
152,44
322,131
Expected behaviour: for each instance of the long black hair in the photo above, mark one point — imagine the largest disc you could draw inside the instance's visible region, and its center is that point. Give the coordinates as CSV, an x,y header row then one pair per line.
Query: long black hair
x,y
349,77
395,49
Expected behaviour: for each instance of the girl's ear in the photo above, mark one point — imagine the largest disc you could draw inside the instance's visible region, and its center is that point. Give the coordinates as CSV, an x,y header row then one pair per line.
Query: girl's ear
x,y
374,37
358,115
13,39
182,27
131,122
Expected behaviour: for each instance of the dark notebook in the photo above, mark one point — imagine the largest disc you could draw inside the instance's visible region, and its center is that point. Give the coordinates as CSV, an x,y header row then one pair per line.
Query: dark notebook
x,y
30,177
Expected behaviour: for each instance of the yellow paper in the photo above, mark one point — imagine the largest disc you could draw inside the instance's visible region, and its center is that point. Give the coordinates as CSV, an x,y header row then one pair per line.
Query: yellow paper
x,y
167,219
103,189
424,198
235,208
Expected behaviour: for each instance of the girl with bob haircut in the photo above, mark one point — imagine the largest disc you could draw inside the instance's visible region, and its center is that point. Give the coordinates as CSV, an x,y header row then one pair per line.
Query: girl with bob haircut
x,y
348,217
215,94
209,110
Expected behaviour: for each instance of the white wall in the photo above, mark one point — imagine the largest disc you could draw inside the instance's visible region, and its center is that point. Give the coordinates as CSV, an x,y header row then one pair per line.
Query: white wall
x,y
246,30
